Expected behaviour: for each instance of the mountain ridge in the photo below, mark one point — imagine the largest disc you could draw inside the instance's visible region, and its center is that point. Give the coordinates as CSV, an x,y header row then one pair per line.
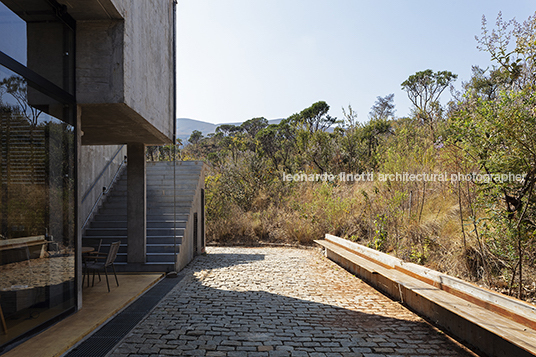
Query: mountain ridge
x,y
185,126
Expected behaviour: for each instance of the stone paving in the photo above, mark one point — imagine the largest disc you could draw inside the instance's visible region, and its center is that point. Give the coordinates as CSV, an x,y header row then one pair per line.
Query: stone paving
x,y
279,302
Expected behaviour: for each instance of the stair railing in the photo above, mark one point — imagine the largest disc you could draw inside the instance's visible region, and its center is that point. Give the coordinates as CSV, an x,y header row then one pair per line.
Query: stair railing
x,y
105,189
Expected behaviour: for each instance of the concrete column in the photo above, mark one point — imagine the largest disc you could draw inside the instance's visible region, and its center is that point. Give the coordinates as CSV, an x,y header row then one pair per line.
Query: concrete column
x,y
136,203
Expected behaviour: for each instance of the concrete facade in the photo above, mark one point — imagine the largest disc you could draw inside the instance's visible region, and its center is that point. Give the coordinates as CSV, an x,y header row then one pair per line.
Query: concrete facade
x,y
105,70
124,74
125,98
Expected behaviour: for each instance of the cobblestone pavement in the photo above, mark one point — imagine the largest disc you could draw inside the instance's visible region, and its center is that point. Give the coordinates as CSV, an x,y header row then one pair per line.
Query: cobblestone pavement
x,y
279,302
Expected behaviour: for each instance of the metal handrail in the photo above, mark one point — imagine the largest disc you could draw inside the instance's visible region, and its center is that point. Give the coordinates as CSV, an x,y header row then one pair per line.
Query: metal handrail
x,y
102,173
104,189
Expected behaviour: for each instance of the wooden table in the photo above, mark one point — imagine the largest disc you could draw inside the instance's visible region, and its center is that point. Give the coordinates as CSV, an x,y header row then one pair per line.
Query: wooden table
x,y
86,250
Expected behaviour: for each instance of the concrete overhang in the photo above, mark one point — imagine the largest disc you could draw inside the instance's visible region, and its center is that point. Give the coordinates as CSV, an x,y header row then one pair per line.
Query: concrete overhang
x,y
124,71
117,123
124,66
91,10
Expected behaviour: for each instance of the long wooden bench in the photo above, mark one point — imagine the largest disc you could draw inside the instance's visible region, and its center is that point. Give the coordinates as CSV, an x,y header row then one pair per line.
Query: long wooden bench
x,y
6,244
34,246
491,324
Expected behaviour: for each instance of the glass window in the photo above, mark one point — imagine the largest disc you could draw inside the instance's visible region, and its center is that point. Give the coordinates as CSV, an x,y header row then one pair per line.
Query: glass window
x,y
13,30
37,205
33,35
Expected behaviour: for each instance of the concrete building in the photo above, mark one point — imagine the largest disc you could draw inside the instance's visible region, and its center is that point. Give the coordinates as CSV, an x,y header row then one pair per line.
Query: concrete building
x,y
83,84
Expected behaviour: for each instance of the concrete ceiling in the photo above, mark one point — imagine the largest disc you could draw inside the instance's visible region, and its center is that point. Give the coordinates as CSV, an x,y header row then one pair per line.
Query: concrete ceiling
x,y
91,9
109,124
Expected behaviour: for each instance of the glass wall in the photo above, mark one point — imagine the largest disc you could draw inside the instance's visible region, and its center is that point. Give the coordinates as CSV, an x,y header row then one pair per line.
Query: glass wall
x,y
37,167
38,39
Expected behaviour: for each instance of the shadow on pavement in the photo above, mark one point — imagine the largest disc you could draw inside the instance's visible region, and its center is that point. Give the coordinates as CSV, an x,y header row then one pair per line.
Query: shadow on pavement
x,y
197,319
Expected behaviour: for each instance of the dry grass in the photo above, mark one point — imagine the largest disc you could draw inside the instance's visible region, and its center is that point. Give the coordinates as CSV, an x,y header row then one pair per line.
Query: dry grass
x,y
370,213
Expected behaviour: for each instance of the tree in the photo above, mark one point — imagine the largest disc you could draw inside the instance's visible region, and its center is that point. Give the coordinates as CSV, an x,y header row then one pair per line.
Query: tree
x,y
228,129
495,126
18,88
424,89
383,108
277,142
313,142
519,62
314,118
486,83
195,137
253,126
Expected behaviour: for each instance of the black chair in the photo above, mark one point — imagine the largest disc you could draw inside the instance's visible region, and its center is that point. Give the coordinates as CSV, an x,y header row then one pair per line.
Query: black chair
x,y
97,250
102,262
89,256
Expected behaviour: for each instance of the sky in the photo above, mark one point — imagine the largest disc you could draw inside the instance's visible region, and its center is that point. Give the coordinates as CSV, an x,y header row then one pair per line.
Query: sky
x,y
241,59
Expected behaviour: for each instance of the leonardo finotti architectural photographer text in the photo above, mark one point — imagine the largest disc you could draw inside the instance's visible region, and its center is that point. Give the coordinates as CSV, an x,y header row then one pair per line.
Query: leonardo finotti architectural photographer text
x,y
405,177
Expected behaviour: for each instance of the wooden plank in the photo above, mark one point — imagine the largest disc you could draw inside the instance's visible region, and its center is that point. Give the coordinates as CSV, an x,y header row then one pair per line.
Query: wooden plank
x,y
516,333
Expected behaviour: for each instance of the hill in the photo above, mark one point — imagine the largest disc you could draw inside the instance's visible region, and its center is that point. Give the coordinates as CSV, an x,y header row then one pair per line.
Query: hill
x,y
185,126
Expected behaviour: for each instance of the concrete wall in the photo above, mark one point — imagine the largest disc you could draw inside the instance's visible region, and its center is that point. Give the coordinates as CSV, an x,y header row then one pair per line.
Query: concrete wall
x,y
99,62
188,251
125,71
148,52
93,161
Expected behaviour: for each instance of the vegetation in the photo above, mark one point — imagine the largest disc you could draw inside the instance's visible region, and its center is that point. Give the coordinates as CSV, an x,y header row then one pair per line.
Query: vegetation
x,y
469,209
37,163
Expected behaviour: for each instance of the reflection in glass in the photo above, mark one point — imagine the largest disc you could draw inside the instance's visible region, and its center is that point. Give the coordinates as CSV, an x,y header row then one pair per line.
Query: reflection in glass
x,y
13,45
36,207
33,35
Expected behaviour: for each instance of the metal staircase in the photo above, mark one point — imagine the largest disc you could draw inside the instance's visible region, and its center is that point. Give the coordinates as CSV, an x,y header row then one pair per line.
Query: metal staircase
x,y
174,205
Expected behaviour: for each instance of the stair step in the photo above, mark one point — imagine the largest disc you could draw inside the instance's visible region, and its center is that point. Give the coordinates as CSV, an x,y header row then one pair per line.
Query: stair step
x,y
168,210
111,217
167,217
163,185
170,192
178,168
109,232
155,196
108,224
114,238
170,196
162,248
157,200
178,177
150,217
165,240
164,232
167,224
160,257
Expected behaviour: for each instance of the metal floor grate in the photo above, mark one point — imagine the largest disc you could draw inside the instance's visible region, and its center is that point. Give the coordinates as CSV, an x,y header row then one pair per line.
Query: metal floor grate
x,y
102,341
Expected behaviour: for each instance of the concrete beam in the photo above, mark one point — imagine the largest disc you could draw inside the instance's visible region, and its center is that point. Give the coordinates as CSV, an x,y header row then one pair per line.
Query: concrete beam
x,y
136,203
111,124
91,9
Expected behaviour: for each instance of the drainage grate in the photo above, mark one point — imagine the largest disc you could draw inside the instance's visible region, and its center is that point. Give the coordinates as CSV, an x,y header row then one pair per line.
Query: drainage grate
x,y
102,341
